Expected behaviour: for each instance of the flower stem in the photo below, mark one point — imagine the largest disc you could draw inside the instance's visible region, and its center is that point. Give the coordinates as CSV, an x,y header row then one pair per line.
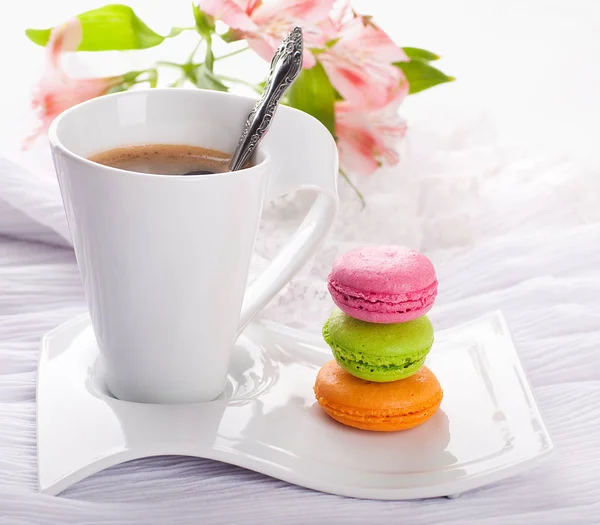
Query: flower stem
x,y
178,83
175,31
356,190
233,53
170,64
240,81
191,57
133,78
152,77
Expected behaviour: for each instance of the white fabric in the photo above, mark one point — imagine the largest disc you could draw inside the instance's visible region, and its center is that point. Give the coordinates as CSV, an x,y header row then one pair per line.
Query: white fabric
x,y
505,228
504,231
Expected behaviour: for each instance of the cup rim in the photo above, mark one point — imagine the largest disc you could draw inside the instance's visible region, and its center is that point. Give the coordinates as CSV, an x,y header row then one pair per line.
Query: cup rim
x,y
55,141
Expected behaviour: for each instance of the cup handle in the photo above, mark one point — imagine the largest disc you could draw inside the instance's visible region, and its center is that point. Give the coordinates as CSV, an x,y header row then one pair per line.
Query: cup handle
x,y
303,155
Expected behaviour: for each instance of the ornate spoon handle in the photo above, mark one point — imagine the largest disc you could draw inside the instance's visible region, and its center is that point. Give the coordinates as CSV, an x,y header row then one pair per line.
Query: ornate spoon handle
x,y
285,68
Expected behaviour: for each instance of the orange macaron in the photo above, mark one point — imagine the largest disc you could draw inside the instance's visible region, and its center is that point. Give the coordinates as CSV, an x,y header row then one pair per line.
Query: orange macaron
x,y
382,407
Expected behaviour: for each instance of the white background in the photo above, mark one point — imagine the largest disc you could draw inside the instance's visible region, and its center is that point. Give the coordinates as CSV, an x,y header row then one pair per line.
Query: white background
x,y
531,65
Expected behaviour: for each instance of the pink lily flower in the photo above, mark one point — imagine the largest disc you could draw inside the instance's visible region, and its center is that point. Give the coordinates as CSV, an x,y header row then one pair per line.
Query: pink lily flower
x,y
360,63
56,91
367,138
265,24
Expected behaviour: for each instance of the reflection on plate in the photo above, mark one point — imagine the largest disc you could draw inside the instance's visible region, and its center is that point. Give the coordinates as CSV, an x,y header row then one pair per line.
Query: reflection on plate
x,y
488,427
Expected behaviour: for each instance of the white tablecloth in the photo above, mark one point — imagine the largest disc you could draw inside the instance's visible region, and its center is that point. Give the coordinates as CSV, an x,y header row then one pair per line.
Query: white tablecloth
x,y
507,227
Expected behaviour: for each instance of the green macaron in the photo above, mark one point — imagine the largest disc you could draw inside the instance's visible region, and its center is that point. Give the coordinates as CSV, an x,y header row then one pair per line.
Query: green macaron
x,y
378,352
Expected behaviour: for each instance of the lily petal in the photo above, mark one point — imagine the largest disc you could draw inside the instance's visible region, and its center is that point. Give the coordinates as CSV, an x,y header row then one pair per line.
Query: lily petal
x,y
55,90
361,33
305,11
235,13
64,38
360,64
368,138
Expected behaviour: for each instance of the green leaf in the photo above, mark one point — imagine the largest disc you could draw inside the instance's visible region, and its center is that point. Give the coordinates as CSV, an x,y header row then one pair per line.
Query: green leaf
x,y
206,79
38,36
313,93
113,27
422,55
422,76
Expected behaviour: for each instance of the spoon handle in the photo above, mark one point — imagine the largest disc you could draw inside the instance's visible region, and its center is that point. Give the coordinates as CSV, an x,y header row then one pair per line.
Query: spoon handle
x,y
285,68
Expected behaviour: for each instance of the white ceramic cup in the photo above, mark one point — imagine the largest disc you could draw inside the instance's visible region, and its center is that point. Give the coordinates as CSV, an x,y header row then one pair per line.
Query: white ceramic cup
x,y
164,259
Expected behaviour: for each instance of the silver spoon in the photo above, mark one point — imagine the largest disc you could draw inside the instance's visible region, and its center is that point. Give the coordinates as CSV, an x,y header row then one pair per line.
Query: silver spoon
x,y
285,68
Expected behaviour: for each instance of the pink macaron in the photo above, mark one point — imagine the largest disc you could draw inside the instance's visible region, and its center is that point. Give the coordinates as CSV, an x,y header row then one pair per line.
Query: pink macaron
x,y
383,284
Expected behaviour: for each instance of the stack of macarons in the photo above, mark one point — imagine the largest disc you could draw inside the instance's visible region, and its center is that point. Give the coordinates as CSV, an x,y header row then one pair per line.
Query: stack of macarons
x,y
380,337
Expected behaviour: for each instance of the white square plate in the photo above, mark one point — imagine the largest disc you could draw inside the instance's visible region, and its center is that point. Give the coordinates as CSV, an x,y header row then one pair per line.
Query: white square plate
x,y
488,427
